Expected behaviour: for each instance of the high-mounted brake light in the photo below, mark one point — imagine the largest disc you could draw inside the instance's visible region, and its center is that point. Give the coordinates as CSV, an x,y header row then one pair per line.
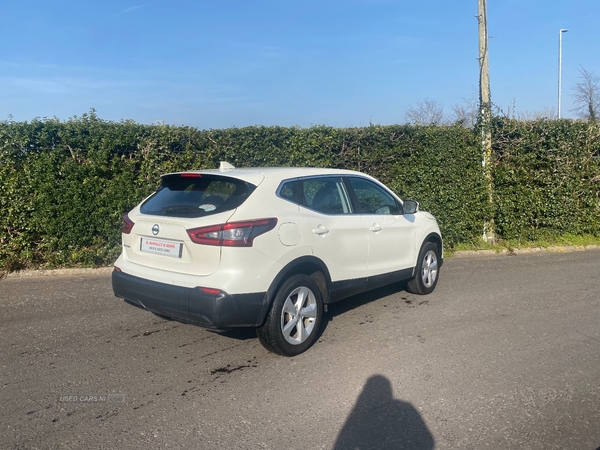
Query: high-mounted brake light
x,y
232,234
127,225
190,175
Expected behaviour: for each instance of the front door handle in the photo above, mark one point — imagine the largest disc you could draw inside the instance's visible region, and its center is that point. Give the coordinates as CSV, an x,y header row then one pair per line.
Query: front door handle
x,y
375,228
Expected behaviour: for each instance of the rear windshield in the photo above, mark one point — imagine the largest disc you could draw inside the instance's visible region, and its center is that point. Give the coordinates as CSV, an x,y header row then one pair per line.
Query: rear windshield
x,y
195,195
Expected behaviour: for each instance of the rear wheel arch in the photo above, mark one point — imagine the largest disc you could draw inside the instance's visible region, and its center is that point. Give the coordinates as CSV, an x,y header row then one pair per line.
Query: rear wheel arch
x,y
293,321
306,265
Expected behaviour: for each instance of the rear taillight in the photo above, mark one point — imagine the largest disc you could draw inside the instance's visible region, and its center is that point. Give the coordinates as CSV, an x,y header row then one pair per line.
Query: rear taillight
x,y
127,225
232,234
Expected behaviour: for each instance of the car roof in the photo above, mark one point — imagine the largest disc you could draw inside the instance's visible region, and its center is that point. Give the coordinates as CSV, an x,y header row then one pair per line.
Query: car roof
x,y
257,174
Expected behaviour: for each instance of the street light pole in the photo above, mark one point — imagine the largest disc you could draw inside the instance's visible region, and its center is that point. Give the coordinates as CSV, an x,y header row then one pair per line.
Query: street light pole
x,y
560,33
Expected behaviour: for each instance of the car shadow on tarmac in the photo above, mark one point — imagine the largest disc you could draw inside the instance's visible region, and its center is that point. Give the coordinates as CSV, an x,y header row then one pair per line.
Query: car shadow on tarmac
x,y
379,421
334,309
358,300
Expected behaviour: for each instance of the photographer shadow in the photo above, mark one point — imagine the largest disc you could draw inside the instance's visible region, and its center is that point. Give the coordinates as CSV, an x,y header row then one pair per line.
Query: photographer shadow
x,y
378,421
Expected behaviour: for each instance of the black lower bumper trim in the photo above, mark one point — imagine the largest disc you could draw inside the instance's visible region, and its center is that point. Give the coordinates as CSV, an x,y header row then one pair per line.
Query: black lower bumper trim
x,y
191,305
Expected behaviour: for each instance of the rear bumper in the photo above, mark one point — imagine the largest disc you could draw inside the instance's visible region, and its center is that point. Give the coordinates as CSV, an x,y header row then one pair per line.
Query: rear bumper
x,y
191,305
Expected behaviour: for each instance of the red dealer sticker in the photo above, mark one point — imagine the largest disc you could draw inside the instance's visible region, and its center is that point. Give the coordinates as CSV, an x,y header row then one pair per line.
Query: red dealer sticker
x,y
161,247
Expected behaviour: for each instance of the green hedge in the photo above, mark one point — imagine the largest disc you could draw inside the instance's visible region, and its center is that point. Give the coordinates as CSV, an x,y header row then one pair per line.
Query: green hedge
x,y
65,185
546,178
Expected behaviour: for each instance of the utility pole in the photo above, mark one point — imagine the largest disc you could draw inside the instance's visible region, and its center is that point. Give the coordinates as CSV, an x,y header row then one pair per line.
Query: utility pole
x,y
485,114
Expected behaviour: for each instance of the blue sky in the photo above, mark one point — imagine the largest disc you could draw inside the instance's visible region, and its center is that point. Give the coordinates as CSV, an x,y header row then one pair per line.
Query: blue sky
x,y
342,63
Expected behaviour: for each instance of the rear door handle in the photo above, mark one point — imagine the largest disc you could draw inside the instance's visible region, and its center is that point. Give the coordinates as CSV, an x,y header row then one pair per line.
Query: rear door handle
x,y
320,230
375,228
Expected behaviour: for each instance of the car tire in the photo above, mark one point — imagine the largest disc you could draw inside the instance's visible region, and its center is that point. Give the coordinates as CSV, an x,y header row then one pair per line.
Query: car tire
x,y
427,271
293,322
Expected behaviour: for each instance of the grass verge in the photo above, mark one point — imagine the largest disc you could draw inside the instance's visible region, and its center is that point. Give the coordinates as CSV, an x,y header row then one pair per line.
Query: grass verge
x,y
565,240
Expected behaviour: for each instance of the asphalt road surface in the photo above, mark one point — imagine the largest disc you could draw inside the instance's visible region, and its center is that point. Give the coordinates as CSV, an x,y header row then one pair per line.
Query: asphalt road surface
x,y
505,354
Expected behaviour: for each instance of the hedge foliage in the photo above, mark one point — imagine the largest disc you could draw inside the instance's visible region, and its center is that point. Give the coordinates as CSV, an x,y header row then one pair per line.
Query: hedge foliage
x,y
65,185
546,178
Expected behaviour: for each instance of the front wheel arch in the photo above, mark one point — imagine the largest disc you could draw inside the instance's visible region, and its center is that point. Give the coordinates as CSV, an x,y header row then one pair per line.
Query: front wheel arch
x,y
427,269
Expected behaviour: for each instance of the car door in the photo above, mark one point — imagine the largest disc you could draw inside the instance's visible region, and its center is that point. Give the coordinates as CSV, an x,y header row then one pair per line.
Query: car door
x,y
391,235
338,237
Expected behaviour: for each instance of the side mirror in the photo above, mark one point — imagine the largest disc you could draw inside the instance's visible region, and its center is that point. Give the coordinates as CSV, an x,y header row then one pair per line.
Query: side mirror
x,y
410,206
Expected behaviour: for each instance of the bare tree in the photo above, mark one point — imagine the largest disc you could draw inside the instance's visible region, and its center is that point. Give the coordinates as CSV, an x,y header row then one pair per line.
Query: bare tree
x,y
548,112
426,112
586,94
466,113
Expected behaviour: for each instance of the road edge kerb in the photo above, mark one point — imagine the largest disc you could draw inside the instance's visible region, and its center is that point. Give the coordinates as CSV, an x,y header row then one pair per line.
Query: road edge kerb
x,y
59,272
525,251
458,254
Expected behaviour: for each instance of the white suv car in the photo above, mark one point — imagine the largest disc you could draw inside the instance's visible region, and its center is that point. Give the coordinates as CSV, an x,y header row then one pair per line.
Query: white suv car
x,y
270,248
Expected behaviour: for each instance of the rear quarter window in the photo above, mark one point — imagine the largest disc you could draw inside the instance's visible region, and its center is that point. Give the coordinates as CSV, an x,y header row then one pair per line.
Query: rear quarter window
x,y
182,195
288,190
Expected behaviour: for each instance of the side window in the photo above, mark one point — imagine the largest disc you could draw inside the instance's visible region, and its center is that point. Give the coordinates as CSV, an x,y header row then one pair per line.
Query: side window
x,y
287,190
373,199
326,195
